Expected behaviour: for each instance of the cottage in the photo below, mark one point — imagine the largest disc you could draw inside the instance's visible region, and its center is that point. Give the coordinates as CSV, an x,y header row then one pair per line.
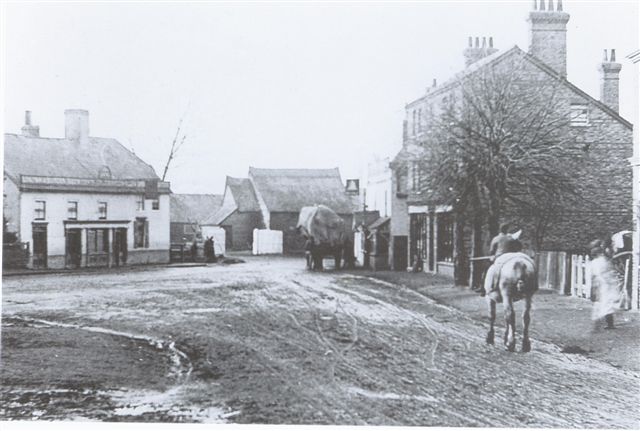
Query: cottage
x,y
239,214
83,201
282,193
188,212
427,230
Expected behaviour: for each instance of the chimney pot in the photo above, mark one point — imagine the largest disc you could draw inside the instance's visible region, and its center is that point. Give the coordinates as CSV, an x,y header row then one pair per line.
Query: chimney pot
x,y
548,37
28,129
559,6
484,42
434,82
535,4
605,56
477,42
470,42
490,42
610,81
76,124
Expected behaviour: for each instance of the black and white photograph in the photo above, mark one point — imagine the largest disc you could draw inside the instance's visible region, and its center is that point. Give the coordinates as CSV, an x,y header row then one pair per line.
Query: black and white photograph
x,y
294,213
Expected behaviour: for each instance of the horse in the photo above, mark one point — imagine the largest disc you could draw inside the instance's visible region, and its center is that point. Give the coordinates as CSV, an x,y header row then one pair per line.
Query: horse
x,y
516,279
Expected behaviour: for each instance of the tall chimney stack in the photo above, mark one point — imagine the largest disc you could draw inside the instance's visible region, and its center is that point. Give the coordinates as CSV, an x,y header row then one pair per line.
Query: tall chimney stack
x,y
610,81
76,125
28,129
475,53
548,35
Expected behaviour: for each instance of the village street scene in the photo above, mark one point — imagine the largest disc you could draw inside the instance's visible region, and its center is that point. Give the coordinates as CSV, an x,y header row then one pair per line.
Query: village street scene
x,y
237,244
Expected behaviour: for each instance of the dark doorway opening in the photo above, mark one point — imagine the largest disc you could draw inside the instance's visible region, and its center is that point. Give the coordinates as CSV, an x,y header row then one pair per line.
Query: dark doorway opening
x,y
120,246
400,253
73,255
39,235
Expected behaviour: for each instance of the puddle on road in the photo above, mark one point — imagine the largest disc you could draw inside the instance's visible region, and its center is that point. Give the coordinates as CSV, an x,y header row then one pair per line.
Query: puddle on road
x,y
389,395
122,404
202,310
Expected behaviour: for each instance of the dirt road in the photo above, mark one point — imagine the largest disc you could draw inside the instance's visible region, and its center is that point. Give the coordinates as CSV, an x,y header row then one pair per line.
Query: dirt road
x,y
267,342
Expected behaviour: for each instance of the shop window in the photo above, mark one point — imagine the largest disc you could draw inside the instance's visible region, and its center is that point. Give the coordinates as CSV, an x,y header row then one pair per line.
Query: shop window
x,y
40,210
445,237
97,241
141,233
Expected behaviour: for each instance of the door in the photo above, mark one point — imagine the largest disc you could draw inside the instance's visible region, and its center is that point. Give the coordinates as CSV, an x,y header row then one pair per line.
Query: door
x,y
400,253
73,255
39,235
119,246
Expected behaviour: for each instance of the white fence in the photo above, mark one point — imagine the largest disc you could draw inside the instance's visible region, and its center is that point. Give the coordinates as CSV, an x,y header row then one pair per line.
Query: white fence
x,y
266,241
580,276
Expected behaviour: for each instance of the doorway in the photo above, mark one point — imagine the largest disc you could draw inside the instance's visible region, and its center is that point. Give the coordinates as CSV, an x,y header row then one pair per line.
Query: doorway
x,y
400,244
120,246
39,235
73,255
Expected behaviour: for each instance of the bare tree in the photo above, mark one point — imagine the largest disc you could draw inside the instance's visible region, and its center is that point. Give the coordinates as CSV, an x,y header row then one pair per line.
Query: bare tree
x,y
176,144
499,140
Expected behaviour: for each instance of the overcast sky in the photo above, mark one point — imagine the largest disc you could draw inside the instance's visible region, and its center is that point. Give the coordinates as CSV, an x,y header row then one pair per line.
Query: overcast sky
x,y
273,85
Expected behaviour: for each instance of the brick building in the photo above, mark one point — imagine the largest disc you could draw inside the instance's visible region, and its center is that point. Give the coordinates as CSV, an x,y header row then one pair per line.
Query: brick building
x,y
83,201
424,229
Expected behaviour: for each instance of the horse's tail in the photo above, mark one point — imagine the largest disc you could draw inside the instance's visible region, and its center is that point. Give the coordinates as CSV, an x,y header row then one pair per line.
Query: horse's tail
x,y
526,278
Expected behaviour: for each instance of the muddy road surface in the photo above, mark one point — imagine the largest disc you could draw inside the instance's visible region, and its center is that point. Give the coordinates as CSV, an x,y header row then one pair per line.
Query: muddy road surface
x,y
267,342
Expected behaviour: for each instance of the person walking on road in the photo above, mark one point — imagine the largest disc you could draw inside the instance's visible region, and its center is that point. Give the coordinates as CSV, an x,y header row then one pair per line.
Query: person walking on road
x,y
604,283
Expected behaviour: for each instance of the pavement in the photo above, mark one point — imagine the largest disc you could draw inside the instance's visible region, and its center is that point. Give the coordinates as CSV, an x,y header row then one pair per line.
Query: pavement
x,y
562,320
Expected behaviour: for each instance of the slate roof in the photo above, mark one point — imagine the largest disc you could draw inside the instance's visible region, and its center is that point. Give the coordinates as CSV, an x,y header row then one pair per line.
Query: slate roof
x,y
244,197
288,190
193,208
244,194
513,51
54,157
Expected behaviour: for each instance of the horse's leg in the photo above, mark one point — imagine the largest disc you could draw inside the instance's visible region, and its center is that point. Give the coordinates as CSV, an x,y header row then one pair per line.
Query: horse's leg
x,y
492,319
526,318
509,322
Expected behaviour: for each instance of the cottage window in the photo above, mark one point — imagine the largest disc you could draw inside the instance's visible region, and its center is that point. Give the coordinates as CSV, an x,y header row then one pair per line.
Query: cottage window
x,y
579,115
72,210
415,176
40,210
140,203
102,210
141,233
414,122
401,178
155,204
